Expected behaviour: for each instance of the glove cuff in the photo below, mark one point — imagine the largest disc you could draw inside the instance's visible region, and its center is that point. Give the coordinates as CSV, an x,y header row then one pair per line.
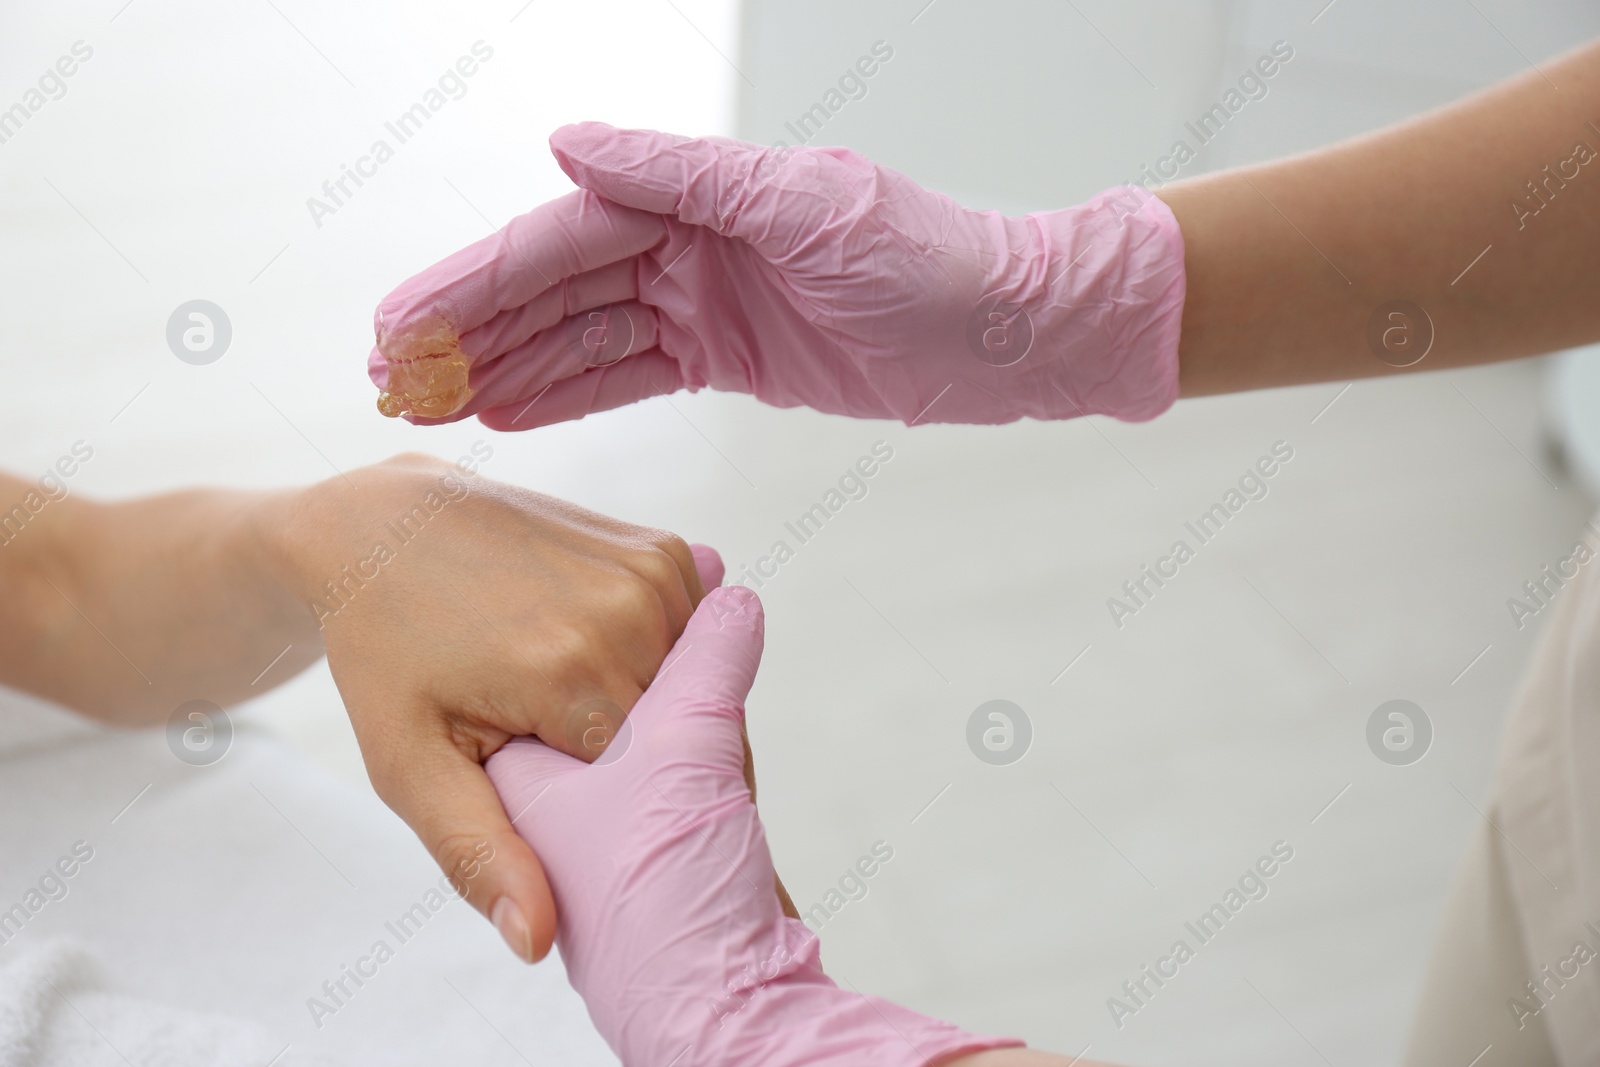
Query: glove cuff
x,y
1110,311
785,1012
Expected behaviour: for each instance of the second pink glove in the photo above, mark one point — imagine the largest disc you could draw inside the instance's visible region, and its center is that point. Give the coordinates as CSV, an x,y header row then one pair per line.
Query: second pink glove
x,y
670,926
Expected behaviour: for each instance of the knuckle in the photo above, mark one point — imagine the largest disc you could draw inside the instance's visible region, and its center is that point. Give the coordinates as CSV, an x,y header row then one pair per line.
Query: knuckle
x,y
668,542
631,598
405,460
662,563
750,178
568,647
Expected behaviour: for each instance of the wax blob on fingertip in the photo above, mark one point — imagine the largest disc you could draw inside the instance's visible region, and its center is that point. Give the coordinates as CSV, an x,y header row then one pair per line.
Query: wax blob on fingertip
x,y
427,369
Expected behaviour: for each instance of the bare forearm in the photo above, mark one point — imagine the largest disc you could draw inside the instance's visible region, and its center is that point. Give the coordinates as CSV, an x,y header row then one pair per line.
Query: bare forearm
x,y
1288,261
124,611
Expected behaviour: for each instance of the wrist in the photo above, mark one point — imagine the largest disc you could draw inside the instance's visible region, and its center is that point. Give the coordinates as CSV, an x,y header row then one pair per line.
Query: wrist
x,y
58,542
44,545
280,538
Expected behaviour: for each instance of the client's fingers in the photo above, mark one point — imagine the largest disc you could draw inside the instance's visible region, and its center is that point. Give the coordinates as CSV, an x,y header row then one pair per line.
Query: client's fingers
x,y
449,802
784,900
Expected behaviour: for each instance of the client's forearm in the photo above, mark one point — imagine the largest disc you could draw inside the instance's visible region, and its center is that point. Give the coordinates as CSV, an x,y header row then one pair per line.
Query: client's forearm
x,y
1289,262
124,611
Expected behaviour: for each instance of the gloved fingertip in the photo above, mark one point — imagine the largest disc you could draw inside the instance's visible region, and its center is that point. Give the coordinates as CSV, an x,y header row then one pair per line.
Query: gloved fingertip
x,y
709,563
715,661
563,135
731,606
572,140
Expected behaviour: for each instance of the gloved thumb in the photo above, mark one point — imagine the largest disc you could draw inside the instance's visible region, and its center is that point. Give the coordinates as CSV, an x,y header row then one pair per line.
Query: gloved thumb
x,y
709,563
721,184
713,665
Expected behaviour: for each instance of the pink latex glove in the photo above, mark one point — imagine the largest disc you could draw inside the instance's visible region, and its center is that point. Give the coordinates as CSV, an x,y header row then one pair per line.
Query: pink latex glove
x,y
670,925
805,276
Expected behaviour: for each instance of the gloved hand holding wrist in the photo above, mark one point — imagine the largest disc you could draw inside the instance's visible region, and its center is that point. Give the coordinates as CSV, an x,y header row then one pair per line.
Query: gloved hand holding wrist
x,y
804,276
669,923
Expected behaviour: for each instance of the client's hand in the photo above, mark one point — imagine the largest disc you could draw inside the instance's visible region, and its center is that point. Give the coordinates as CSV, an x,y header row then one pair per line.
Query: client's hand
x,y
459,612
670,926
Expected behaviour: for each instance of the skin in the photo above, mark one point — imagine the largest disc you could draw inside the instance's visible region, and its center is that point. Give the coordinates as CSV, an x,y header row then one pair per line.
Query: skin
x,y
508,613
1401,213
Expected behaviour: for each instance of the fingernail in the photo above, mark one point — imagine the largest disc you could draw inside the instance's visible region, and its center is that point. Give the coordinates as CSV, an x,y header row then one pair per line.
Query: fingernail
x,y
507,918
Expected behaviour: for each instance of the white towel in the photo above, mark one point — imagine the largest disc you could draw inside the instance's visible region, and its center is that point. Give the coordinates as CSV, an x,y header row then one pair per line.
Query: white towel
x,y
57,1010
240,891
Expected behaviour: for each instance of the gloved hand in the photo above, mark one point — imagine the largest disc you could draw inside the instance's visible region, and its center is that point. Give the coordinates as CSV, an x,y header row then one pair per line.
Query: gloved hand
x,y
670,927
804,276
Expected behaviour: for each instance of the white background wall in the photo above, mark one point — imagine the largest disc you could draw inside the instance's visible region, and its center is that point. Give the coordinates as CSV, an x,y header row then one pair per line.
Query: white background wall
x,y
1170,756
1208,727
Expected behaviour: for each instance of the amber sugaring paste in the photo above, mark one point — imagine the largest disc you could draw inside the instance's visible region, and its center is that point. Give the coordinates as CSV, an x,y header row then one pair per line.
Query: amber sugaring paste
x,y
427,371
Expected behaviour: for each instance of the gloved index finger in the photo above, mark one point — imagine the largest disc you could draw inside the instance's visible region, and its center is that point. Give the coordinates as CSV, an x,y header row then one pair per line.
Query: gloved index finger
x,y
708,561
531,254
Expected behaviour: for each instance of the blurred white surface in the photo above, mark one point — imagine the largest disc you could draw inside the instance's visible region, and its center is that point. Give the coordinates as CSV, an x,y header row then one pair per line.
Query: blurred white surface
x,y
253,888
1172,754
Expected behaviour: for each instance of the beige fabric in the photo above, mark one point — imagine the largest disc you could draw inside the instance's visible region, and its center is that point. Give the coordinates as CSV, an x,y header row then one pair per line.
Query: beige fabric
x,y
1477,966
1518,960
